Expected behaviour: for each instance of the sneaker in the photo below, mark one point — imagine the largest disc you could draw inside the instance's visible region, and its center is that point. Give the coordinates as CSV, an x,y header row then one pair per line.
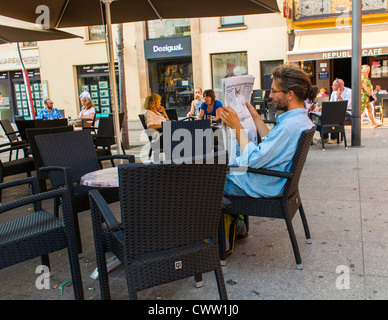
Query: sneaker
x,y
332,141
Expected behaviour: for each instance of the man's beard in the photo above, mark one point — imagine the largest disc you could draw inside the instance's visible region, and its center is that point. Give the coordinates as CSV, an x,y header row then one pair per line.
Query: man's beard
x,y
281,104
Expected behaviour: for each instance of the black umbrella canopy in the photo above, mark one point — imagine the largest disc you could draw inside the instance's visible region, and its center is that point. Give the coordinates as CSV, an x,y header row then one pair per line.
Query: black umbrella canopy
x,y
12,30
75,13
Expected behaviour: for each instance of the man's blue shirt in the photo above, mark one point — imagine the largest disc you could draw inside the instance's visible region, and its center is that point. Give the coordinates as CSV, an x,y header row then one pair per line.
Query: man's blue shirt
x,y
275,152
46,115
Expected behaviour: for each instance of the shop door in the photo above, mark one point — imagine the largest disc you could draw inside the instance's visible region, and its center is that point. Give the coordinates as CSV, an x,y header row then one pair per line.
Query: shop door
x,y
5,98
175,85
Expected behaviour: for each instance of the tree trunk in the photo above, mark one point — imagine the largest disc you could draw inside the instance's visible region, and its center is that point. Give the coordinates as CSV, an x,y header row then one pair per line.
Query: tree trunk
x,y
123,96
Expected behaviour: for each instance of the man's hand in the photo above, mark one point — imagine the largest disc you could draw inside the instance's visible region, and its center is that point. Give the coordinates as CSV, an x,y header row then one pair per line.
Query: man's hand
x,y
252,111
339,93
230,118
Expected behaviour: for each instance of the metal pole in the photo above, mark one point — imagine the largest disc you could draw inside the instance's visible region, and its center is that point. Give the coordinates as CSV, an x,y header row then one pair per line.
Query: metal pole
x,y
356,72
112,74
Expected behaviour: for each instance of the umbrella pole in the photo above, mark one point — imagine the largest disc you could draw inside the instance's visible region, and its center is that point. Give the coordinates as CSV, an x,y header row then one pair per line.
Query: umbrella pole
x,y
27,85
112,74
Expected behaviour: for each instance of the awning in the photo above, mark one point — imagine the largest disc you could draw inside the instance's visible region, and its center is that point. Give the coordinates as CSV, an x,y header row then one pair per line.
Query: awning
x,y
333,43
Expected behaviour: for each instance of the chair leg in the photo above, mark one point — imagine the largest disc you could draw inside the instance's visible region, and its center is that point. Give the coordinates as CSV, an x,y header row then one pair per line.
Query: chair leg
x,y
221,284
294,243
221,240
344,135
198,280
75,271
44,260
305,224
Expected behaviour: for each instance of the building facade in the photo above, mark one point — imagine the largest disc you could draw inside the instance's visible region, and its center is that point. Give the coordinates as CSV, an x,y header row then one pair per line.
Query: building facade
x,y
169,57
320,39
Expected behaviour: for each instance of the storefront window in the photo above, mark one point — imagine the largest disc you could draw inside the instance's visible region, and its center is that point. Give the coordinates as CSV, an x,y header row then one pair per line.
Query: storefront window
x,y
168,28
227,65
96,79
96,33
21,100
309,68
232,21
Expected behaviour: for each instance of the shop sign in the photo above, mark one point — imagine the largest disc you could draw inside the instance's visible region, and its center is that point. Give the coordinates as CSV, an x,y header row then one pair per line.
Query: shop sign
x,y
166,48
348,53
323,75
9,60
94,69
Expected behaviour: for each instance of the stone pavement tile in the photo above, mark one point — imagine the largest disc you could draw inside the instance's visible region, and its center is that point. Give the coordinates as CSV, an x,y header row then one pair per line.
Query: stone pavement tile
x,y
374,210
376,288
375,259
329,193
375,230
331,208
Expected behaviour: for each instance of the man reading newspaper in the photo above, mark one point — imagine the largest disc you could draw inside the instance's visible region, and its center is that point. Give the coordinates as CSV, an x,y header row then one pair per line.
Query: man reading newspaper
x,y
291,86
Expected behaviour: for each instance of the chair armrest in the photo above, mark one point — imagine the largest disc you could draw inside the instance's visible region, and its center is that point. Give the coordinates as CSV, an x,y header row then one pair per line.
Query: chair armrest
x,y
97,202
187,119
14,147
130,158
267,172
67,173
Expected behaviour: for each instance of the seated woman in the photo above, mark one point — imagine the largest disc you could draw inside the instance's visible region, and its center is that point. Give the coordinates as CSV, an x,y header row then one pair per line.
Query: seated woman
x,y
155,114
87,112
211,106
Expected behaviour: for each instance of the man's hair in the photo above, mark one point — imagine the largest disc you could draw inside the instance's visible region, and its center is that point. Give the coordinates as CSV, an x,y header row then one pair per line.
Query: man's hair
x,y
210,93
45,101
291,77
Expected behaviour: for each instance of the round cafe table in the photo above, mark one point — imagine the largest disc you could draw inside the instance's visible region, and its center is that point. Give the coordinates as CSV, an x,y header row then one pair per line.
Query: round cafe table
x,y
104,178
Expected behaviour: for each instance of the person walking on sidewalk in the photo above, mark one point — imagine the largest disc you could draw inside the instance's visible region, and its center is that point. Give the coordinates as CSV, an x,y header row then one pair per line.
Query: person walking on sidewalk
x,y
367,95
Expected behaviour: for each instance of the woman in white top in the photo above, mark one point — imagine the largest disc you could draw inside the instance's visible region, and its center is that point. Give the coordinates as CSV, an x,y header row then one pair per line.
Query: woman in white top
x,y
87,112
155,113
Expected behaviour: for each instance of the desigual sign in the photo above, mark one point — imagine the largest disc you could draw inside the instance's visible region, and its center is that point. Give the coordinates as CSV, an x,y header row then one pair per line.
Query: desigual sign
x,y
166,48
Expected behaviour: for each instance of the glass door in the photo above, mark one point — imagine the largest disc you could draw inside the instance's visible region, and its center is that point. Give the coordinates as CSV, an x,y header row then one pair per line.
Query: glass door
x,y
175,85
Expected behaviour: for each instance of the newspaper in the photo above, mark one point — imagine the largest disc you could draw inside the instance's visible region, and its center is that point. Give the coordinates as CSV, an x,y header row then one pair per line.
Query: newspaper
x,y
237,92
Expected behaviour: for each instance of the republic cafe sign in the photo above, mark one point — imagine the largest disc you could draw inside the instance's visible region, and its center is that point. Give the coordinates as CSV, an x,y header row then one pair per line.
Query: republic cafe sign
x,y
324,55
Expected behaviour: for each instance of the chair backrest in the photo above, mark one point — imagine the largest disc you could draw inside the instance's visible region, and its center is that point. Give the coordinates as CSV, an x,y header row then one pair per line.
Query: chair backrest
x,y
121,118
23,125
32,132
62,112
298,162
8,129
190,214
380,97
105,128
143,123
172,114
184,139
51,123
69,149
333,112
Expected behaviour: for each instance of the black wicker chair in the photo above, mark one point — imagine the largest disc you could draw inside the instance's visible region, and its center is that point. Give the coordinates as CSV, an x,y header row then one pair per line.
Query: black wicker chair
x,y
158,146
17,166
14,139
39,233
195,138
67,157
162,237
331,120
51,123
31,133
283,207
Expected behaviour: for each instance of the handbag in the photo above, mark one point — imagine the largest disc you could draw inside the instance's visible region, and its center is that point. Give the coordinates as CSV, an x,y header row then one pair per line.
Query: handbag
x,y
371,99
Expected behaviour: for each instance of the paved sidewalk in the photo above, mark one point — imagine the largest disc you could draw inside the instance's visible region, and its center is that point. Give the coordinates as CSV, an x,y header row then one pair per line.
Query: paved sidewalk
x,y
345,197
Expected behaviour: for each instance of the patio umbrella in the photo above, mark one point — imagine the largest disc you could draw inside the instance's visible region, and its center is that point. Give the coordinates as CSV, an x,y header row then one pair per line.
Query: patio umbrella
x,y
75,13
12,30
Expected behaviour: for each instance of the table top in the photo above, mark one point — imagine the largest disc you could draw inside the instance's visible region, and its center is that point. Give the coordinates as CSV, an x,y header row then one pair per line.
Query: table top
x,y
104,178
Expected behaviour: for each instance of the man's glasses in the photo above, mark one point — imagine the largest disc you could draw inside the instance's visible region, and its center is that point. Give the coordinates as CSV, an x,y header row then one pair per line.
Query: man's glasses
x,y
337,80
276,91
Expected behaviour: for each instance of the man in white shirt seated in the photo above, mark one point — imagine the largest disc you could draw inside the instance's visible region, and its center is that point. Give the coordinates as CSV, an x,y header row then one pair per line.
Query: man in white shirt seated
x,y
379,90
340,93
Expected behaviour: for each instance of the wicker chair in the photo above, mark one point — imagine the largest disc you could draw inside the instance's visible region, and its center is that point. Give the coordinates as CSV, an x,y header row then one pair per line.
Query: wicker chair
x,y
51,123
14,139
283,207
67,157
332,120
162,237
39,233
31,133
148,132
195,144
